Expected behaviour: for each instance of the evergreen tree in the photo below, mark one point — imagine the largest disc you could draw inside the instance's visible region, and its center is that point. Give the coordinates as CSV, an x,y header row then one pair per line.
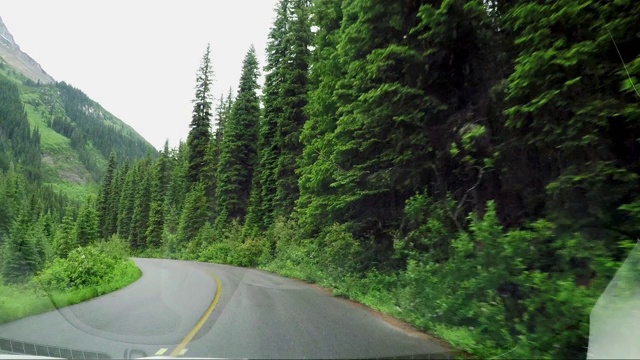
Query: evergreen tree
x,y
20,254
64,240
317,169
194,214
293,96
159,184
177,190
105,202
263,188
87,225
237,157
568,112
126,202
142,203
200,134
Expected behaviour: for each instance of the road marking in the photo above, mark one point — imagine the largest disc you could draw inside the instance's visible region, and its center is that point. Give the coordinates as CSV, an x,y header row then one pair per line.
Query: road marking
x,y
161,351
181,348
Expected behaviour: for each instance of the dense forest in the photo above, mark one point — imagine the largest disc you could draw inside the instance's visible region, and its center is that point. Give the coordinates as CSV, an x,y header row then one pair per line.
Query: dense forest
x,y
469,166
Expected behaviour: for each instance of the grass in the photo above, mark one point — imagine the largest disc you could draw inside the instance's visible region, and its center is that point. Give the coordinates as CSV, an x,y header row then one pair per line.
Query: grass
x,y
19,301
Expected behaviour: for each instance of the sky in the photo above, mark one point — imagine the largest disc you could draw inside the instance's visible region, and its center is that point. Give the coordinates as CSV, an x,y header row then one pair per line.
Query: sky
x,y
138,59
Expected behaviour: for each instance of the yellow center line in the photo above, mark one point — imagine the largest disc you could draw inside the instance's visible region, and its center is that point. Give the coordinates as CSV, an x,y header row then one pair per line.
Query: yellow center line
x,y
179,350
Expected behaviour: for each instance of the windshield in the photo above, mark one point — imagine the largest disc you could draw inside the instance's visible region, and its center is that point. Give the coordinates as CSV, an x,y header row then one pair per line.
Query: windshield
x,y
319,179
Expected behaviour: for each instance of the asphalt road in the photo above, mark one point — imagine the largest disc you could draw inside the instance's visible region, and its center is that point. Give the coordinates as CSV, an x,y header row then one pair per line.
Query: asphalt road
x,y
192,309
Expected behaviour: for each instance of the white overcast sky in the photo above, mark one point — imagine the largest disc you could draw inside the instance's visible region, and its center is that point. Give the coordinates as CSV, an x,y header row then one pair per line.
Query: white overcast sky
x,y
137,58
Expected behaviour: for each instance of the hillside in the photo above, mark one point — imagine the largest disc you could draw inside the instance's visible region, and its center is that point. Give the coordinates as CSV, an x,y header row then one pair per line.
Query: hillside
x,y
11,53
77,135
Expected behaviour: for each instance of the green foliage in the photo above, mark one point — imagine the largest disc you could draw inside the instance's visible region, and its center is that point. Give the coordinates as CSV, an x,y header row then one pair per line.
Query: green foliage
x,y
83,267
20,253
468,166
200,135
87,224
238,153
65,240
194,214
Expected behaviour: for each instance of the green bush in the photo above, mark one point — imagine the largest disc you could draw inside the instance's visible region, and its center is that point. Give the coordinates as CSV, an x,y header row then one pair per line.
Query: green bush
x,y
83,267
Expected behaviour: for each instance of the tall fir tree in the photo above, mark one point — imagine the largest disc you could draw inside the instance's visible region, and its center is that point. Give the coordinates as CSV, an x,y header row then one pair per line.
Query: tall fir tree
x,y
19,252
194,214
88,224
316,168
159,183
142,203
177,189
238,154
263,188
293,93
126,202
105,199
200,134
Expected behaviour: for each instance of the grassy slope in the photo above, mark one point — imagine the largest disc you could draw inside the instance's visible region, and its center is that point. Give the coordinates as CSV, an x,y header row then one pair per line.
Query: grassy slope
x,y
61,165
24,300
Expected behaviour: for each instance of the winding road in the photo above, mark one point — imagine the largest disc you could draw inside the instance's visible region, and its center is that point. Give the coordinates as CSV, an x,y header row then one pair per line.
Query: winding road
x,y
192,309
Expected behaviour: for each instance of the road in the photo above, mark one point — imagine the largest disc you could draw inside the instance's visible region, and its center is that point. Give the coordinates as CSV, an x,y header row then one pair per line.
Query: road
x,y
192,309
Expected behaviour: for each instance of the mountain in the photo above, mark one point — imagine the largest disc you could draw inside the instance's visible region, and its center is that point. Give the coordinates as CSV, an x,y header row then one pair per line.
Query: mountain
x,y
69,135
10,52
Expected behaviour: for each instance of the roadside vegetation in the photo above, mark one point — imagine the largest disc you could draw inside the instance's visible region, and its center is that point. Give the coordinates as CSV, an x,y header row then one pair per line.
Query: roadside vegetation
x,y
469,166
51,254
86,272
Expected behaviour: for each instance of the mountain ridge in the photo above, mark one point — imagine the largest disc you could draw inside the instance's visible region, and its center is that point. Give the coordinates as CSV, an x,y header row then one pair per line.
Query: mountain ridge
x,y
76,134
11,53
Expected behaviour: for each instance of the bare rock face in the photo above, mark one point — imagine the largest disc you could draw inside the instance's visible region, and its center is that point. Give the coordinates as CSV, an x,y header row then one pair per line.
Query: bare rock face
x,y
11,54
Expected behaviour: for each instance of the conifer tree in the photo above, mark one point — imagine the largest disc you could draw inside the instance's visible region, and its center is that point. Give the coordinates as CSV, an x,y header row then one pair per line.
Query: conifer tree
x,y
87,225
159,183
20,253
200,134
238,153
105,199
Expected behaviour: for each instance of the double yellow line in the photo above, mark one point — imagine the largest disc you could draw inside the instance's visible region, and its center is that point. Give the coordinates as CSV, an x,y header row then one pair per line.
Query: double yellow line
x,y
178,351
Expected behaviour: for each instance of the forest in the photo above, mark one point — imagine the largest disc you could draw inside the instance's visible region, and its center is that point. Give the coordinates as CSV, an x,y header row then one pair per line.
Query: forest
x,y
471,167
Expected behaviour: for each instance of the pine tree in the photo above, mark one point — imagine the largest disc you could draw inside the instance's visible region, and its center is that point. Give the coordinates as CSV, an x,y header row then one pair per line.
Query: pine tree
x,y
105,201
126,202
200,134
237,157
293,95
87,225
64,240
574,111
194,214
263,188
317,169
159,184
177,190
20,254
142,203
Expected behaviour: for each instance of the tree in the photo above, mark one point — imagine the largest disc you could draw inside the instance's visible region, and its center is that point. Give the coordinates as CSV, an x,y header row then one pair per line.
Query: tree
x,y
177,189
293,95
126,202
238,153
64,240
106,212
20,253
200,134
142,202
159,183
275,183
316,167
572,107
87,225
194,214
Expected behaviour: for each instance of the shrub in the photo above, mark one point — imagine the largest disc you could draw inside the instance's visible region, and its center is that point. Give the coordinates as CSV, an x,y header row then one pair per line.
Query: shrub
x,y
83,267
